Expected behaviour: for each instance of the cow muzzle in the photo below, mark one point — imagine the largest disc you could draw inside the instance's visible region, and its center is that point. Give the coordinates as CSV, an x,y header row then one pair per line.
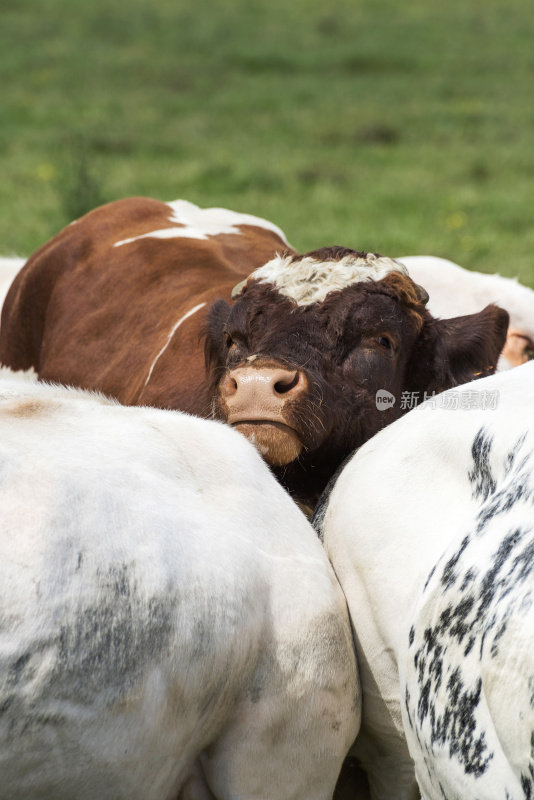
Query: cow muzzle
x,y
255,400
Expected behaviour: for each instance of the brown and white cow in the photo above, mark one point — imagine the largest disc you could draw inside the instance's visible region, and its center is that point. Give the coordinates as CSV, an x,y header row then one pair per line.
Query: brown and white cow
x,y
125,299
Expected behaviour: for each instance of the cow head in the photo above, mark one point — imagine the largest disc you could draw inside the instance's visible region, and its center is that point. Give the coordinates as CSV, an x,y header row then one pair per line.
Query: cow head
x,y
296,362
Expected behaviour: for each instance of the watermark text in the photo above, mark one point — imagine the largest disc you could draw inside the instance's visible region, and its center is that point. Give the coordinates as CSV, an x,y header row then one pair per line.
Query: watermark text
x,y
452,400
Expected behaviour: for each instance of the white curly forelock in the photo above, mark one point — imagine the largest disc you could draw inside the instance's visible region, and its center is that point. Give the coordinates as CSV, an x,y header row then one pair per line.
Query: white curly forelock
x,y
310,280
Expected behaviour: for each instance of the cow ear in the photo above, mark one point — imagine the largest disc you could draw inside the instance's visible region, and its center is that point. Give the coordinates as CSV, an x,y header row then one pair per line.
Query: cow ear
x,y
213,334
450,352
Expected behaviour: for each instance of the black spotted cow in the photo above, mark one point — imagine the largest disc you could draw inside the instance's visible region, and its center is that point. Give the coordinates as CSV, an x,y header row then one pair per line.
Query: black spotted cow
x,y
430,528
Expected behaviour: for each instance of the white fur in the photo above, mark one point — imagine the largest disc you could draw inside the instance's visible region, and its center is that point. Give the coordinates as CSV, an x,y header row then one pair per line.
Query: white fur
x,y
401,504
309,280
10,380
168,619
9,268
199,223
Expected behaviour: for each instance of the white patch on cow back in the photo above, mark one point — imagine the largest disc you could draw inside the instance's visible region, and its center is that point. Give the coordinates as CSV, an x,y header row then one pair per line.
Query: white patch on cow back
x,y
169,339
199,223
310,280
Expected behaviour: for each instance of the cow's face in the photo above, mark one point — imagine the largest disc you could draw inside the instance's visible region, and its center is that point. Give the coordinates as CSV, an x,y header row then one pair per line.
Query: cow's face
x,y
298,360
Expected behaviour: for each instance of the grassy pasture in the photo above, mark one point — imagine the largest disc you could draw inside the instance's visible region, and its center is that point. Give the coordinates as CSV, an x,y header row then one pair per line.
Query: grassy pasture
x,y
402,127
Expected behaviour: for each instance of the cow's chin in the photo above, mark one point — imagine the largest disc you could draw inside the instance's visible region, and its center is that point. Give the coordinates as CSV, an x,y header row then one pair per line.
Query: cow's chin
x,y
277,443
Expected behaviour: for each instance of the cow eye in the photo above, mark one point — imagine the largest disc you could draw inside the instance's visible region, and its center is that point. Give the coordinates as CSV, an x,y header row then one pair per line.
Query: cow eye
x,y
385,342
236,347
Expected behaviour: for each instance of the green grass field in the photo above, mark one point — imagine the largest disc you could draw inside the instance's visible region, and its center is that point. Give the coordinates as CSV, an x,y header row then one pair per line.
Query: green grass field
x,y
401,127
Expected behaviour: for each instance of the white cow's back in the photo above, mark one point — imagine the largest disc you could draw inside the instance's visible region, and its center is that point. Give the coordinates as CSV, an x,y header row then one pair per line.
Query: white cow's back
x,y
9,267
163,604
454,290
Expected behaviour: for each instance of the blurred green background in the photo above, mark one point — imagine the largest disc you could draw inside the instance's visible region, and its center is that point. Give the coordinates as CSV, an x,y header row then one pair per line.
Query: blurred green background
x,y
401,127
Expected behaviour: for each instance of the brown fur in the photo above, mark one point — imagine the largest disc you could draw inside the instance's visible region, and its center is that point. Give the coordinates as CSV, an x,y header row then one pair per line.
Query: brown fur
x,y
336,344
332,253
95,316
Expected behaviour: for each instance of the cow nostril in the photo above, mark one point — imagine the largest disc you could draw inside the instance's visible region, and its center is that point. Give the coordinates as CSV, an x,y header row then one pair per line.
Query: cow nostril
x,y
229,385
285,385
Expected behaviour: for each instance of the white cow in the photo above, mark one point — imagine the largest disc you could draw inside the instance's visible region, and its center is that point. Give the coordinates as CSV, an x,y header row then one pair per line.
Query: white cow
x,y
454,291
430,529
169,623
